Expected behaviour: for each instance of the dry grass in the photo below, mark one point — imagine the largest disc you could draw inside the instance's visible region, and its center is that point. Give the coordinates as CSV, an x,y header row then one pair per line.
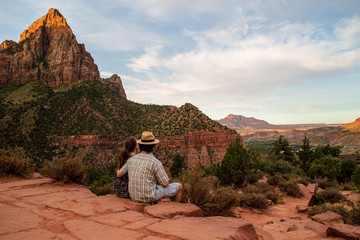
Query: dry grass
x,y
14,161
65,169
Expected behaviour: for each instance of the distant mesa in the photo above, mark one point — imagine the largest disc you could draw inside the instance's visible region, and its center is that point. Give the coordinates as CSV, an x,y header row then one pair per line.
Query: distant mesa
x,y
354,126
47,52
239,122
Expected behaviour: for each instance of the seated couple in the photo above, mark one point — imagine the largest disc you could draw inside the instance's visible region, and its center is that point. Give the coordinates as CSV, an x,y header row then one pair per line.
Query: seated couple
x,y
137,173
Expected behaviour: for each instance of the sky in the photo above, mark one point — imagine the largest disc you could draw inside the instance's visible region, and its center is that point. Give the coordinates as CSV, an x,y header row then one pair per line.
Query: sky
x,y
281,61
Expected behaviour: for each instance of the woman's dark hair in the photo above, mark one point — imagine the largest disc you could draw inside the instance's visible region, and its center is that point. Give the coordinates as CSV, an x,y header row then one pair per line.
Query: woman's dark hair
x,y
147,148
129,146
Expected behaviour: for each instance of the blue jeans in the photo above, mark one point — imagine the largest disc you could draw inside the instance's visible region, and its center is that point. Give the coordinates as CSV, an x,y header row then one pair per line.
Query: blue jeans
x,y
164,192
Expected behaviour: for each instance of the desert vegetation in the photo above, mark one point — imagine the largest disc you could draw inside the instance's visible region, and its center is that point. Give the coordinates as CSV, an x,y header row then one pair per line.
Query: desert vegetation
x,y
283,168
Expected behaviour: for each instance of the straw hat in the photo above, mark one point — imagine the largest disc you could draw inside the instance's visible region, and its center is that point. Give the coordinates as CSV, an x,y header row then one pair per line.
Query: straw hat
x,y
147,138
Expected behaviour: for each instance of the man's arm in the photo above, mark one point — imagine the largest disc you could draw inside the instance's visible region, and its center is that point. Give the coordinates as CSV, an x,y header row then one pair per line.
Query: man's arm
x,y
161,175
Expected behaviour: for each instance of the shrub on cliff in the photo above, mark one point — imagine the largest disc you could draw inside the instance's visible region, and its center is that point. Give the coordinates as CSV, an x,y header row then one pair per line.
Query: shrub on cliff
x,y
221,202
275,180
331,195
291,188
102,186
14,161
66,169
254,200
269,192
179,165
205,193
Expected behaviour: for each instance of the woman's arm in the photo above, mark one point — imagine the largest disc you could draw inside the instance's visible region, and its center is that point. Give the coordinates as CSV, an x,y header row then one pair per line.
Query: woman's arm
x,y
118,174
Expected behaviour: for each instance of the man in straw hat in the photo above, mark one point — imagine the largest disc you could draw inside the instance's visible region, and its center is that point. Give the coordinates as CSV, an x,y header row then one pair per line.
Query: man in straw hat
x,y
143,170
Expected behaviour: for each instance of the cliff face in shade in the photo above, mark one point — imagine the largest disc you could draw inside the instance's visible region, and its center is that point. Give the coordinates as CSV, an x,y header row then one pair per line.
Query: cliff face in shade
x,y
201,148
47,52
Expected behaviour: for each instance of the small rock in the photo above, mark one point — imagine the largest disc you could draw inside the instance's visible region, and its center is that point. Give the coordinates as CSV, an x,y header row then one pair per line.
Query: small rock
x,y
302,208
344,231
328,218
270,203
290,218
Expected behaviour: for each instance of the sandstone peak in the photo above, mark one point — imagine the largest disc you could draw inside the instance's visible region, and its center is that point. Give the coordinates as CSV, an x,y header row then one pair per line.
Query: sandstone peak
x,y
115,84
52,19
47,52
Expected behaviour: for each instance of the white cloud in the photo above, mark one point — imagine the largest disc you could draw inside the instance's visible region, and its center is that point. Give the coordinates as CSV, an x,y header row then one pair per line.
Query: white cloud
x,y
105,74
251,63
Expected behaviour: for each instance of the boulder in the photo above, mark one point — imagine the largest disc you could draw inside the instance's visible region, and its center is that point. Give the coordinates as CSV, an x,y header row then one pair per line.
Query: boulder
x,y
302,208
345,231
171,209
328,218
209,228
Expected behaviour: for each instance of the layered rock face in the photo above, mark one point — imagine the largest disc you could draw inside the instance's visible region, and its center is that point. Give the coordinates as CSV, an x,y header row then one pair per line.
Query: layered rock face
x,y
202,148
115,84
47,52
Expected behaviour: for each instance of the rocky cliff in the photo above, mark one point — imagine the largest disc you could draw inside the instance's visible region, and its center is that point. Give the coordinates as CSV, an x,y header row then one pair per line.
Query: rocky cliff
x,y
353,126
47,52
202,148
115,84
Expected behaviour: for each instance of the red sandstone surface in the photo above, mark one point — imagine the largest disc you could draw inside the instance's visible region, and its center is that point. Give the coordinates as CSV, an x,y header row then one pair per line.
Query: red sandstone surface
x,y
41,209
38,208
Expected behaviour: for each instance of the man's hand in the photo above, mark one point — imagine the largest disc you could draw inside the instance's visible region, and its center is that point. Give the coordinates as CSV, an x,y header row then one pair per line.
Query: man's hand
x,y
165,184
118,174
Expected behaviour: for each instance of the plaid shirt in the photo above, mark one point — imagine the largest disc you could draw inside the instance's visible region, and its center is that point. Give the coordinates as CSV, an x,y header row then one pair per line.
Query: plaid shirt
x,y
143,168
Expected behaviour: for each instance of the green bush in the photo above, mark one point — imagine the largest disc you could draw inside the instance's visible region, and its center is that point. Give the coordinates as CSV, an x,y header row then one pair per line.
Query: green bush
x,y
332,195
291,188
179,165
264,189
254,200
356,177
347,168
102,186
324,183
14,161
65,169
254,176
234,165
275,180
304,180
